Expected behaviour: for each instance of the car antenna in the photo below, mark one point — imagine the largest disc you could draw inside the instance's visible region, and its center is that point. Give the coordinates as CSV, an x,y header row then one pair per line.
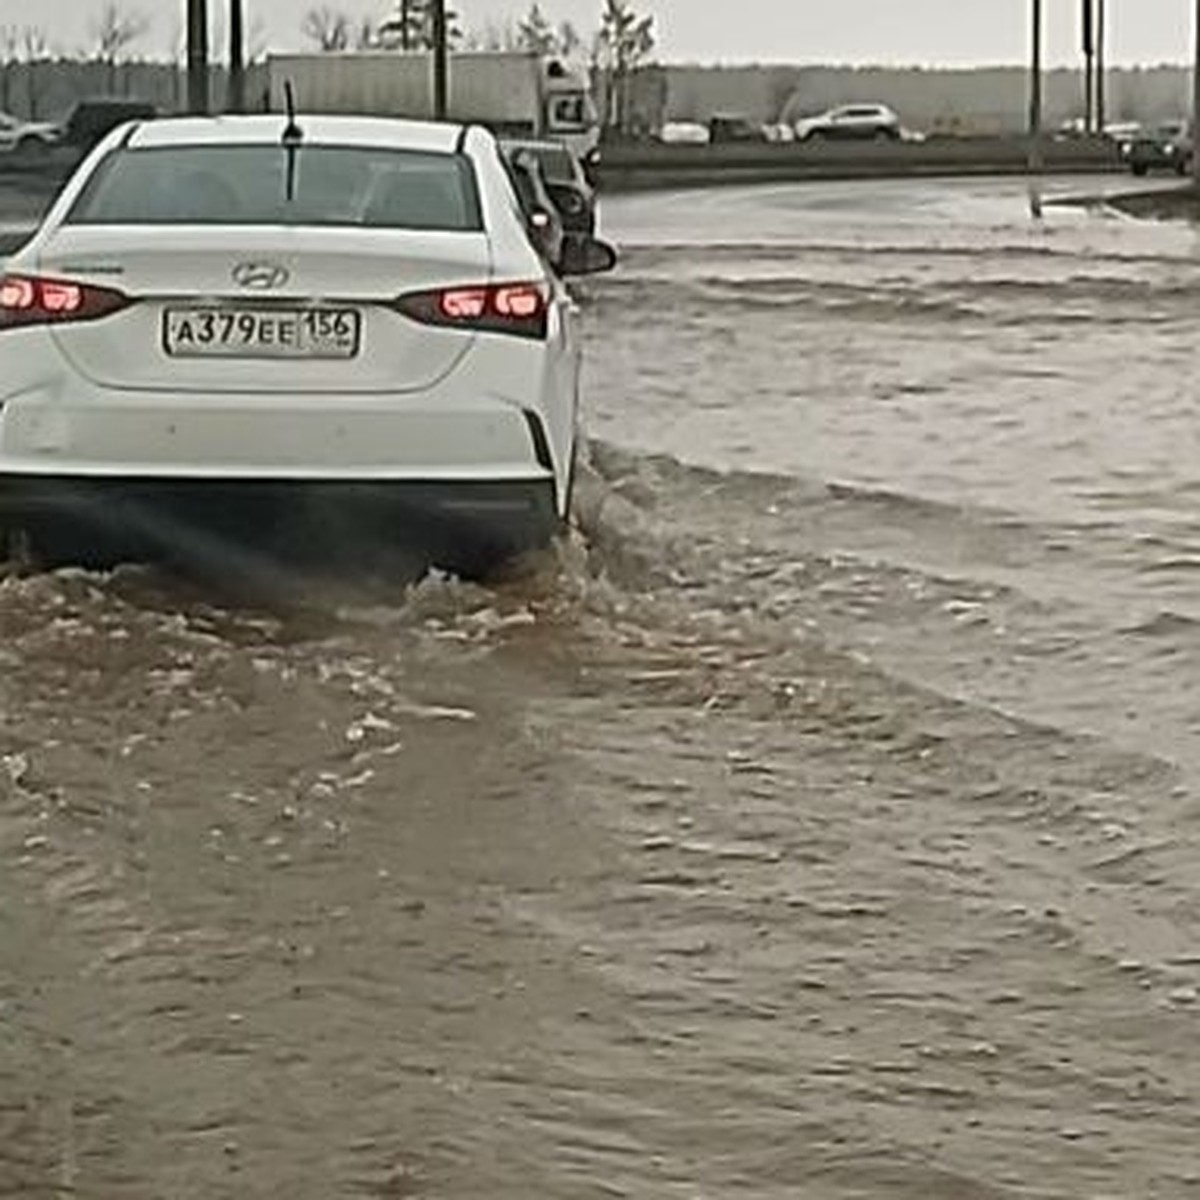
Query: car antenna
x,y
293,137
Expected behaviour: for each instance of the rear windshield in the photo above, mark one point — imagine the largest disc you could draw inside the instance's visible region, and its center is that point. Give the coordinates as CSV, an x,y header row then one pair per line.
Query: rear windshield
x,y
556,163
247,185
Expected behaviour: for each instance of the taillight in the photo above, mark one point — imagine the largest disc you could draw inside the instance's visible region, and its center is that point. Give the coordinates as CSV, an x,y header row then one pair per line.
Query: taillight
x,y
520,309
27,300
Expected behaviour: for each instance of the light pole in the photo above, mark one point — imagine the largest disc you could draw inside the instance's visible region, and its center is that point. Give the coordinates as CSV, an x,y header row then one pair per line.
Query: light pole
x,y
1035,109
197,56
1196,103
1088,23
1101,67
236,100
441,60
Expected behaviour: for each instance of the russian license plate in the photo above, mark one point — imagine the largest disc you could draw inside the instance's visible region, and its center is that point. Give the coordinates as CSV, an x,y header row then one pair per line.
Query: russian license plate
x,y
214,332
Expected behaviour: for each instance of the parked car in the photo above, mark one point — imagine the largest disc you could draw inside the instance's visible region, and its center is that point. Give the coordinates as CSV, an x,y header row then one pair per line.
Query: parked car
x,y
1122,133
543,221
684,133
1072,129
565,179
724,128
27,139
371,339
1166,146
851,121
90,121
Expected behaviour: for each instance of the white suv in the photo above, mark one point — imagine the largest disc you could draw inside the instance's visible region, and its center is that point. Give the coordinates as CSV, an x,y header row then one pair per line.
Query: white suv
x,y
851,121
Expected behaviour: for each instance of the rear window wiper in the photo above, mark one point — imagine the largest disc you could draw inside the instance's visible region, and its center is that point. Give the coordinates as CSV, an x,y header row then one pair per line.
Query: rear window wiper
x,y
293,139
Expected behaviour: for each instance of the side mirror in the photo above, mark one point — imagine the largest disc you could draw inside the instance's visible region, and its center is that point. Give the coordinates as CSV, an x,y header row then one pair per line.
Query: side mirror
x,y
584,255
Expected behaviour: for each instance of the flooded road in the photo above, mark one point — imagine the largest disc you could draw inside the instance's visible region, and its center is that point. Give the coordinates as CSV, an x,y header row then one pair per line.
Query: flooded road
x,y
821,821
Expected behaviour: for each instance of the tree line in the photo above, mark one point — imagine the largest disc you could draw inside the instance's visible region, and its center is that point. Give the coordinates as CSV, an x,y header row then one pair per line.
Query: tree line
x,y
623,41
623,36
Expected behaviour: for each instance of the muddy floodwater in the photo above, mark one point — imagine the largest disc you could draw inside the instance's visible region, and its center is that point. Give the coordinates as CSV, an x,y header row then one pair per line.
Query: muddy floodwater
x,y
821,822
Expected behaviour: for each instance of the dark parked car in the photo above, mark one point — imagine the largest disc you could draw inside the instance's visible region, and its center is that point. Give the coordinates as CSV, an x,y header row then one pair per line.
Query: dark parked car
x,y
723,129
1164,147
542,218
566,181
92,120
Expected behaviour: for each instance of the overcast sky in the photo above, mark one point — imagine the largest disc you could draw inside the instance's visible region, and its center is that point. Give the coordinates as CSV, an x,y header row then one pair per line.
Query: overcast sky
x,y
859,31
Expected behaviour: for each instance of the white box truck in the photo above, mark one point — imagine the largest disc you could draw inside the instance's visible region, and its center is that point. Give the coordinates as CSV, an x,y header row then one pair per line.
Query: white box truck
x,y
512,93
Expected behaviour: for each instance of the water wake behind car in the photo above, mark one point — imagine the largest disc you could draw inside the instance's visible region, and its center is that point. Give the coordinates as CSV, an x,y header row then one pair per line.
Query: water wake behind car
x,y
818,819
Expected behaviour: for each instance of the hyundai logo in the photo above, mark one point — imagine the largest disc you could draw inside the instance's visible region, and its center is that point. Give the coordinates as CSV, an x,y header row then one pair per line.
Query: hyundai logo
x,y
262,276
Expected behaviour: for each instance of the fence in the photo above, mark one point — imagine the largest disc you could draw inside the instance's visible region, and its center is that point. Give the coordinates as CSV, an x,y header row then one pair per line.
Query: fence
x,y
47,90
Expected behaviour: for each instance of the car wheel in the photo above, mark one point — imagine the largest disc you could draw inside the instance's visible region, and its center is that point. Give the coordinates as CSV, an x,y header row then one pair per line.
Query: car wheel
x,y
1139,169
53,544
475,550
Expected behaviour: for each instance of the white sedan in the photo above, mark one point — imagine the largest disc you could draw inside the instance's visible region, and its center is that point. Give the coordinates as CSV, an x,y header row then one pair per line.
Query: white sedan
x,y
27,138
243,323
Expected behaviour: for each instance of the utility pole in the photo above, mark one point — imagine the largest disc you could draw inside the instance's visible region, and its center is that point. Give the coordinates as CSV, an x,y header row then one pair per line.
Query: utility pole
x,y
441,60
1089,65
1196,103
1101,66
236,100
197,57
1035,109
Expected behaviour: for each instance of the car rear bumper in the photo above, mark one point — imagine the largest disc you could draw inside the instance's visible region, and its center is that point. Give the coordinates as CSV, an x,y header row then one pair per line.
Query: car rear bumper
x,y
98,519
130,433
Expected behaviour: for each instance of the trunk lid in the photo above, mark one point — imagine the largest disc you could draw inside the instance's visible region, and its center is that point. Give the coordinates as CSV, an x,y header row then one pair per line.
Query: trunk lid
x,y
277,274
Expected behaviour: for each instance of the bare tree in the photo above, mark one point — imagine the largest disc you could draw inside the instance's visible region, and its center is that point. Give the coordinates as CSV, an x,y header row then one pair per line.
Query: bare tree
x,y
494,37
538,36
366,38
406,28
257,41
536,33
411,27
35,48
116,29
10,42
327,27
569,39
625,42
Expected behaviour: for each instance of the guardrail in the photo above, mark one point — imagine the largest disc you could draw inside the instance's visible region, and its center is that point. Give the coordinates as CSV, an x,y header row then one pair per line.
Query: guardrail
x,y
637,165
